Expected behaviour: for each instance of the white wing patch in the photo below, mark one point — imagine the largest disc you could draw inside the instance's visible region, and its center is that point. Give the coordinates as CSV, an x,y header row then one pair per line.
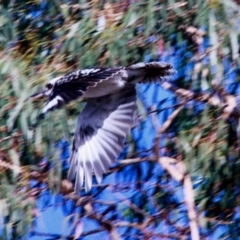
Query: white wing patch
x,y
54,103
88,71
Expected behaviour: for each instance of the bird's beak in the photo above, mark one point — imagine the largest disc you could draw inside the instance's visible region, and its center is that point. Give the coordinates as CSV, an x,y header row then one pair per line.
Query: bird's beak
x,y
38,95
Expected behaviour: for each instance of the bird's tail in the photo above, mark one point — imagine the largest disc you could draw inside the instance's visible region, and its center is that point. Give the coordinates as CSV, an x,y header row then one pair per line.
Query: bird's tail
x,y
150,72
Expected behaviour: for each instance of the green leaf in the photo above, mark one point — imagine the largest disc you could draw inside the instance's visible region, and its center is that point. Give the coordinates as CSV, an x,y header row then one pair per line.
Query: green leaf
x,y
16,161
6,67
4,208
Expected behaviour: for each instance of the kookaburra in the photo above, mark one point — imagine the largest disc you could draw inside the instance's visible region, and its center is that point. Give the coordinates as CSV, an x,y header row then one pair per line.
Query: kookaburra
x,y
108,116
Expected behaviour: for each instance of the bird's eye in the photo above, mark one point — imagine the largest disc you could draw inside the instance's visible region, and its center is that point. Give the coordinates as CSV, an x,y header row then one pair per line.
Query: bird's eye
x,y
49,86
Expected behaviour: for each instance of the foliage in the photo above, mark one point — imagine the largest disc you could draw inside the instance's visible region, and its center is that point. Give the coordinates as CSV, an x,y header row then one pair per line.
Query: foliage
x,y
43,39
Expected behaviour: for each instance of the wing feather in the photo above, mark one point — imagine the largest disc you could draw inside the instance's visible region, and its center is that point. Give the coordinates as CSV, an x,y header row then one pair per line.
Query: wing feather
x,y
99,139
79,174
98,166
106,159
73,165
88,170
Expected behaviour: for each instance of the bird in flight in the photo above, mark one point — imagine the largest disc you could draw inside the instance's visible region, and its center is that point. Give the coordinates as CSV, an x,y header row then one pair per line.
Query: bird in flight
x,y
108,116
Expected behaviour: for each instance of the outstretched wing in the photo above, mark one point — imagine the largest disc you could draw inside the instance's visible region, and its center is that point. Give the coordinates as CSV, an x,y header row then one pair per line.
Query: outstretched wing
x,y
75,84
99,138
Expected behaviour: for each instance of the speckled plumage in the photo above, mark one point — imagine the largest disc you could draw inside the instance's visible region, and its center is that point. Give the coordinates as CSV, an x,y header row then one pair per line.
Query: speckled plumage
x,y
107,117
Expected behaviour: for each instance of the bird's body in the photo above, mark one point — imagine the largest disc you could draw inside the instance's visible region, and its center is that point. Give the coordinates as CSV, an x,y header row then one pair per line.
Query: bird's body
x,y
107,117
103,88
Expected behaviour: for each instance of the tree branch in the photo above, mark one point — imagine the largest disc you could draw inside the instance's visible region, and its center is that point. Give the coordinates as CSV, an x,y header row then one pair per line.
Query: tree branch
x,y
179,174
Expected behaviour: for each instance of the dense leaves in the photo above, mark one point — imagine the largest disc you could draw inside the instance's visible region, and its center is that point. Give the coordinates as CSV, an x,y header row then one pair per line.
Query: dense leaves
x,y
189,136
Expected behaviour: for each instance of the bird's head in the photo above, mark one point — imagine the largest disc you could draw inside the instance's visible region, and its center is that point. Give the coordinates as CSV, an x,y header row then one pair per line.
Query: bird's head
x,y
46,91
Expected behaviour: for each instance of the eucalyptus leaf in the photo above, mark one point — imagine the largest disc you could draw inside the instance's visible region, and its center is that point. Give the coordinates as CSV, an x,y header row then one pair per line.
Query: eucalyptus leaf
x,y
15,112
16,161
